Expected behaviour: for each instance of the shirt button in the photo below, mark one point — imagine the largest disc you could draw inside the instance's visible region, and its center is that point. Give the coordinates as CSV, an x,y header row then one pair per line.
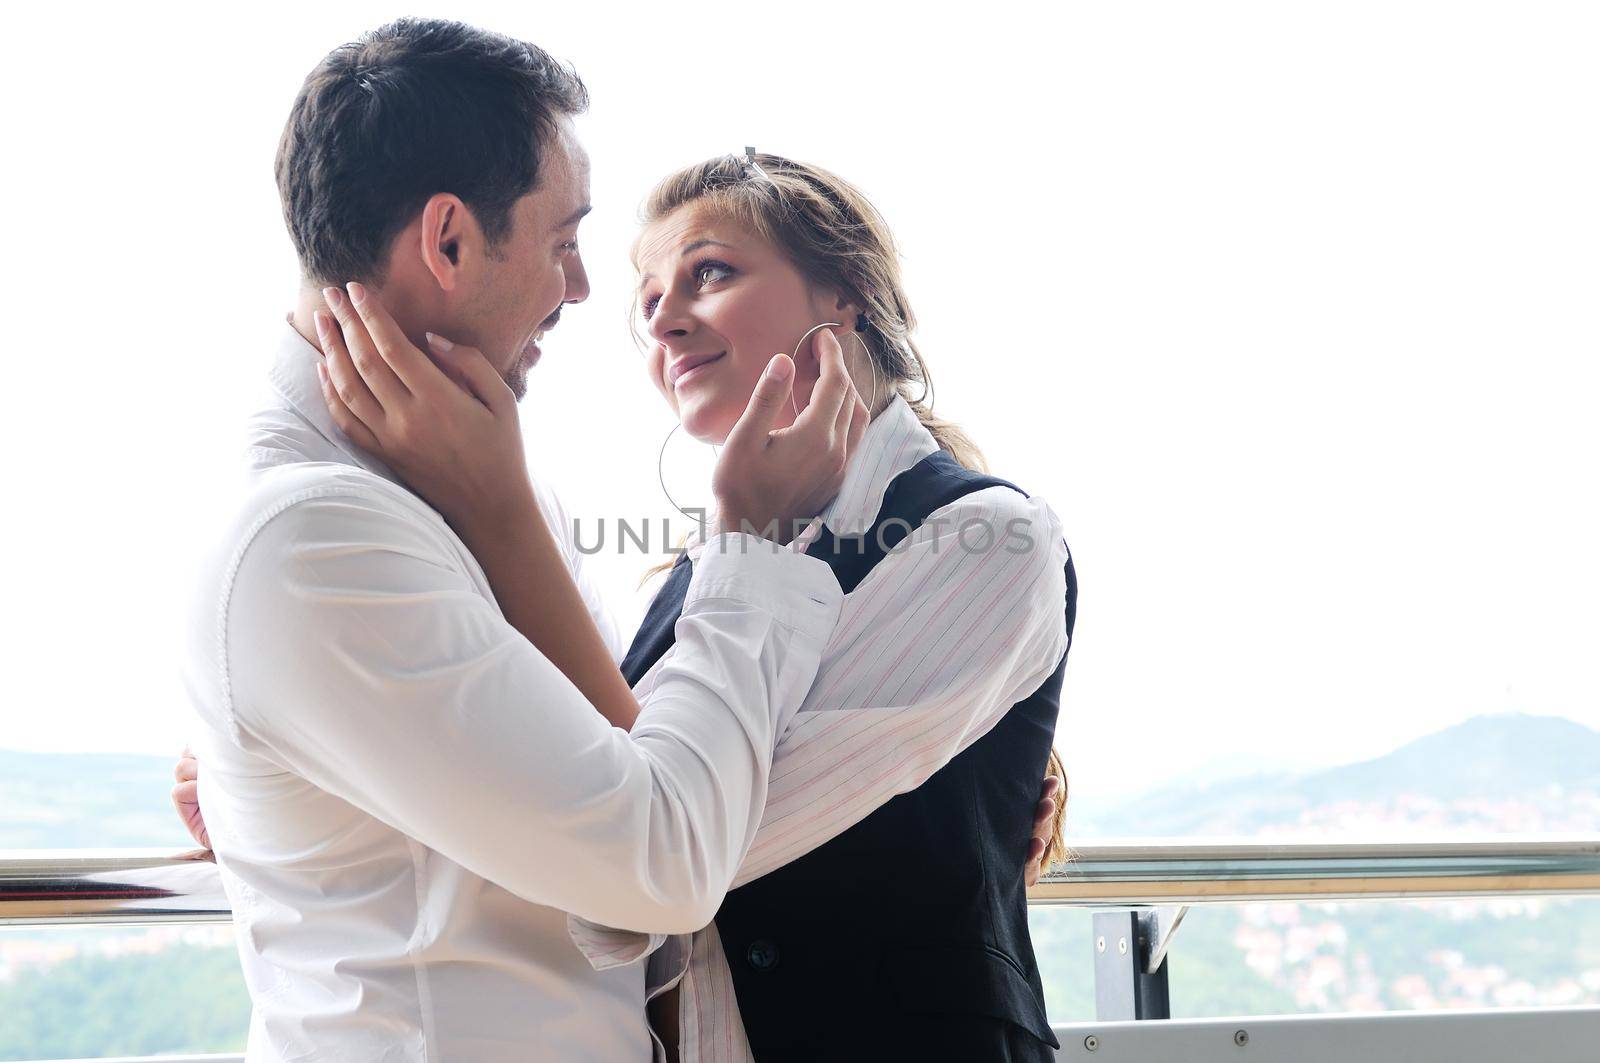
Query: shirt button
x,y
763,955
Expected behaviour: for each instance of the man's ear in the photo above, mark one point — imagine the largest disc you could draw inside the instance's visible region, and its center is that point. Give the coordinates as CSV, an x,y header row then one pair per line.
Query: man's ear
x,y
449,240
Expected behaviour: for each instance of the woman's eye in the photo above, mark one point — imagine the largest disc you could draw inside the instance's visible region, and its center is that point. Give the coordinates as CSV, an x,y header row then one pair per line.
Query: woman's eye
x,y
706,272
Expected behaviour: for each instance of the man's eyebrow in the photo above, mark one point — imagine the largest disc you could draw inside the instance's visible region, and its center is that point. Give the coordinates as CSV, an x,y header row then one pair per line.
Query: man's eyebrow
x,y
685,252
574,218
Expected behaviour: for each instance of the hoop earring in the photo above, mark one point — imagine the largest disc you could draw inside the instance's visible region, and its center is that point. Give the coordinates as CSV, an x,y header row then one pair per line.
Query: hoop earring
x,y
871,411
661,476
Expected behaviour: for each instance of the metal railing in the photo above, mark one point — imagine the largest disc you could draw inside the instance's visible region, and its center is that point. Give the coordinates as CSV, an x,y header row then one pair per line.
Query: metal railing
x,y
1141,889
1198,871
151,885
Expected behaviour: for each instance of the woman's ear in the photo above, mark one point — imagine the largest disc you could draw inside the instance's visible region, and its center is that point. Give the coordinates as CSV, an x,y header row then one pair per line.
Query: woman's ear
x,y
449,237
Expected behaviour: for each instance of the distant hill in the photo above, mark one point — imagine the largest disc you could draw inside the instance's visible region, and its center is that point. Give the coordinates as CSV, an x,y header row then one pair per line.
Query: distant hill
x,y
1534,762
1461,775
1488,758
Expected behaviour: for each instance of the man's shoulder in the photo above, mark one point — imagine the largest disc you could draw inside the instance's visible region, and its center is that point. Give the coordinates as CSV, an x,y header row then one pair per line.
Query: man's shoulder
x,y
304,490
331,503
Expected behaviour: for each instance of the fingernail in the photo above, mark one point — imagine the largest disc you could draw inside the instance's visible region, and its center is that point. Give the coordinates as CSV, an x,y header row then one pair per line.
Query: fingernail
x,y
334,297
780,369
358,294
439,343
321,320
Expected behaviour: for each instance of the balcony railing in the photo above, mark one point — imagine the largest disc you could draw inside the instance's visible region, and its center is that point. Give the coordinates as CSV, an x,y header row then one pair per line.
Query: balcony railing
x,y
1140,890
157,885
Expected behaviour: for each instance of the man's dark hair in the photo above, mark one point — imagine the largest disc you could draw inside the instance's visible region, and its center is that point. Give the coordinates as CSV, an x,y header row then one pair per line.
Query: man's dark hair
x,y
412,109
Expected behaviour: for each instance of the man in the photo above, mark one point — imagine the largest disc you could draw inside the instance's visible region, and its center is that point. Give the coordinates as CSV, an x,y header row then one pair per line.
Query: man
x,y
406,797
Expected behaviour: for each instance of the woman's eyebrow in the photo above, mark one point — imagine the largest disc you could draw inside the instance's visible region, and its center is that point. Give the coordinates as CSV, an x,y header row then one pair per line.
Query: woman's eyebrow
x,y
684,252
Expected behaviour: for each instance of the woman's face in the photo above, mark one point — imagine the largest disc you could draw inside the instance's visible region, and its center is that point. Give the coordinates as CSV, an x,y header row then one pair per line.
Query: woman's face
x,y
719,302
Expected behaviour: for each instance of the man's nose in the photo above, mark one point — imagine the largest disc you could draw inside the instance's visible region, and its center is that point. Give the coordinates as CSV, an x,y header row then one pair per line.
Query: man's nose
x,y
577,282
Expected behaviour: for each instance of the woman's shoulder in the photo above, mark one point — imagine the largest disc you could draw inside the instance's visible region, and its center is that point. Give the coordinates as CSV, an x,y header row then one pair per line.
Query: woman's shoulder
x,y
1000,518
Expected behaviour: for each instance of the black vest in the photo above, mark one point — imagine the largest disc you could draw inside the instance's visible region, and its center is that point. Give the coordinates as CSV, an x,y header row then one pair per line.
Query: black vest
x,y
905,937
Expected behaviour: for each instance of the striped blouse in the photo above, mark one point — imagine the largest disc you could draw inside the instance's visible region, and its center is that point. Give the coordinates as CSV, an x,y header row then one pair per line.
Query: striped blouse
x,y
953,627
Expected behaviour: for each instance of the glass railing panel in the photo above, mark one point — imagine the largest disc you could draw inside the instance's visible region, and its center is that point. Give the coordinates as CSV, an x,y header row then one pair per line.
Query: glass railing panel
x,y
1326,958
83,992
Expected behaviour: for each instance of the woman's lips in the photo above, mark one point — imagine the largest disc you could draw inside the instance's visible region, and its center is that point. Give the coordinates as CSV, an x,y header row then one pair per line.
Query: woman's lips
x,y
678,375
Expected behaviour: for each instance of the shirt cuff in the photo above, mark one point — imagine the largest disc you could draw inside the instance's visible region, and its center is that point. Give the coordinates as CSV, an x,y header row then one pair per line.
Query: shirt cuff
x,y
799,592
605,947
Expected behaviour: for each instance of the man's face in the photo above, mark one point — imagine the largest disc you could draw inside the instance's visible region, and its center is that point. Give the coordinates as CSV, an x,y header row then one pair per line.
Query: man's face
x,y
536,268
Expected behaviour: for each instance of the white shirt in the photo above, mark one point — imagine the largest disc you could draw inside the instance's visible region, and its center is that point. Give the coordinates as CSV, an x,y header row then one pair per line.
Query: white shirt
x,y
945,634
406,797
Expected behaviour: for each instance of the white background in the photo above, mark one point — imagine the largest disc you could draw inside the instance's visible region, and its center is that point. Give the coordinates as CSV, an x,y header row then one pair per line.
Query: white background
x,y
1288,309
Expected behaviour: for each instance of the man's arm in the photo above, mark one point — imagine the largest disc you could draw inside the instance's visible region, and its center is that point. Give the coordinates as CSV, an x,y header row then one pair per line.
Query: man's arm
x,y
361,656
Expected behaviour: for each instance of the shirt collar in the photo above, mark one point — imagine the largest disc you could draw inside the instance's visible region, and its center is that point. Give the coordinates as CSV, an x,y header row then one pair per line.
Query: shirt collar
x,y
293,379
894,441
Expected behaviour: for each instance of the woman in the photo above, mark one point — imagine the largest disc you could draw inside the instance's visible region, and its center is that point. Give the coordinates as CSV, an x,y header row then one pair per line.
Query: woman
x,y
740,255
881,911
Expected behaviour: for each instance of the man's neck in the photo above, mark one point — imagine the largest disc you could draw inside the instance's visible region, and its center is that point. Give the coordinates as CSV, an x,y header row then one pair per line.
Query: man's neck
x,y
307,303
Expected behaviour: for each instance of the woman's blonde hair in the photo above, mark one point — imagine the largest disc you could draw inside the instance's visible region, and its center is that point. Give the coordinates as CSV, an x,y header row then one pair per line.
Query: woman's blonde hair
x,y
838,241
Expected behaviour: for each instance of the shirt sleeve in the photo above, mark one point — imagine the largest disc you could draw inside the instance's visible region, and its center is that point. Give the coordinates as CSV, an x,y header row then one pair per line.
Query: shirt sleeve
x,y
961,621
360,654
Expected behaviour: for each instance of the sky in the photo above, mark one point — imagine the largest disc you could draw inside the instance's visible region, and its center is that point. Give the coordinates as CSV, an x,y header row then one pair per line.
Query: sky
x,y
1288,310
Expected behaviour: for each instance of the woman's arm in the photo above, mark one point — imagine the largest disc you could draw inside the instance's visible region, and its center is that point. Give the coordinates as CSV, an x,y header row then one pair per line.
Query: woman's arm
x,y
519,554
478,481
449,428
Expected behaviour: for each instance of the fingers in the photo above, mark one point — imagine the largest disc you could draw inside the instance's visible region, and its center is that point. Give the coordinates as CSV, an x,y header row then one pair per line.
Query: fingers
x,y
771,392
187,769
833,382
186,799
471,370
1035,864
373,369
851,421
860,417
397,353
1042,817
354,395
347,422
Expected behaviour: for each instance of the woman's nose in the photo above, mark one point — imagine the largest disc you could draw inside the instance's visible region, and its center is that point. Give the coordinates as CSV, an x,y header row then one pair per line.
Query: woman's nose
x,y
671,321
